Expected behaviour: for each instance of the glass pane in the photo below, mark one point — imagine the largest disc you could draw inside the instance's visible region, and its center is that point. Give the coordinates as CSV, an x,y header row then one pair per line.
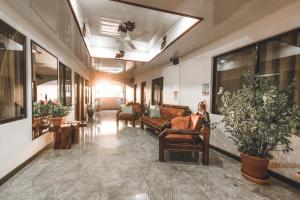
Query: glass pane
x,y
280,62
65,85
12,74
44,75
229,69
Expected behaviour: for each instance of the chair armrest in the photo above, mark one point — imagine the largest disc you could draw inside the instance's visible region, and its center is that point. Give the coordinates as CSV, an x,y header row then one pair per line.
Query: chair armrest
x,y
205,131
178,131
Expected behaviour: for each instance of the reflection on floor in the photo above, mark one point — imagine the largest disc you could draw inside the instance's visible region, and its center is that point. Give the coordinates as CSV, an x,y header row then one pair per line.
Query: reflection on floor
x,y
124,166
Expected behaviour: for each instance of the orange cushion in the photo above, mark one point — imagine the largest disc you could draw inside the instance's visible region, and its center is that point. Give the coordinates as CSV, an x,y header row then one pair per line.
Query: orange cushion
x,y
181,123
168,113
179,138
196,122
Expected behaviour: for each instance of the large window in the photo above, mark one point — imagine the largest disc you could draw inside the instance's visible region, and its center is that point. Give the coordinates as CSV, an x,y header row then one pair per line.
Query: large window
x,y
12,74
65,85
276,58
44,75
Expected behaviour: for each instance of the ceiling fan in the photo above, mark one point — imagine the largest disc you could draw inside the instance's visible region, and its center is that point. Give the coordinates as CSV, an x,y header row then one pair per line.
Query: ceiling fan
x,y
127,27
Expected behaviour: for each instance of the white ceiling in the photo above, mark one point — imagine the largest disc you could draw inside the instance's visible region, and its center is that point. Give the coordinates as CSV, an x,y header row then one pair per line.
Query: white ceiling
x,y
221,17
104,40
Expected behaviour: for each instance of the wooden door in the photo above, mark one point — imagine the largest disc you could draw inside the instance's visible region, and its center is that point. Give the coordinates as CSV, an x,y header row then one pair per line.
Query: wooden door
x,y
157,91
76,95
143,94
82,114
134,92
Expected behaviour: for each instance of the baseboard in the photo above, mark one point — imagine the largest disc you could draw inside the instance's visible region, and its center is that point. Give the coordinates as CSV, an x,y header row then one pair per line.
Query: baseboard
x,y
275,175
24,164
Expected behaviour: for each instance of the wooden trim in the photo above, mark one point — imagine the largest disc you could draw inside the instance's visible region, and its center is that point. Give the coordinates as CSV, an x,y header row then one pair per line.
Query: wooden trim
x,y
157,9
24,164
280,177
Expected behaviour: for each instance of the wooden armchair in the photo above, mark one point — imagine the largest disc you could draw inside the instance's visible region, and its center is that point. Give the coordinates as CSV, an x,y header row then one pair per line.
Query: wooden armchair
x,y
193,137
136,109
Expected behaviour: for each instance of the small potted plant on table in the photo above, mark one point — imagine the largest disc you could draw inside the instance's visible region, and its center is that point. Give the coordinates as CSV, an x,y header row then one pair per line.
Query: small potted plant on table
x,y
259,118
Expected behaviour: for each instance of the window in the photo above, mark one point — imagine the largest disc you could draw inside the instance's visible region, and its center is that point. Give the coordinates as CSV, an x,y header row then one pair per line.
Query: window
x,y
229,68
12,74
277,59
65,85
44,75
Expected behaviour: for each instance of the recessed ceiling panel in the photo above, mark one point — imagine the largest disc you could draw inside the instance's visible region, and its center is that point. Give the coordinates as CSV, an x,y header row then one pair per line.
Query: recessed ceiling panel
x,y
141,33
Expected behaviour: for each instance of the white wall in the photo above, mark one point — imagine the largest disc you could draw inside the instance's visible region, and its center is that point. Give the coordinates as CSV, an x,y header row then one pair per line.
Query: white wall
x,y
16,144
171,83
196,69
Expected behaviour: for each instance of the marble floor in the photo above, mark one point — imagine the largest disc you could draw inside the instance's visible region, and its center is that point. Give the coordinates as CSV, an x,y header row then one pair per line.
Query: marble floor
x,y
110,165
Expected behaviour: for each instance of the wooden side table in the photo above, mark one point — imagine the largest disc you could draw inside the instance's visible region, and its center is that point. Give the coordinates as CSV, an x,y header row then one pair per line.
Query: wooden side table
x,y
63,136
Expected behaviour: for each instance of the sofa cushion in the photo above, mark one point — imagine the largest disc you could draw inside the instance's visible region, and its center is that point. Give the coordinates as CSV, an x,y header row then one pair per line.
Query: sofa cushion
x,y
154,113
182,123
179,138
196,121
169,113
156,122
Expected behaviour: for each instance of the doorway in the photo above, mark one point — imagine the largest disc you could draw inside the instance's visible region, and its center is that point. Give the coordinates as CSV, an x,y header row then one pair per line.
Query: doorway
x,y
143,95
76,95
134,92
157,91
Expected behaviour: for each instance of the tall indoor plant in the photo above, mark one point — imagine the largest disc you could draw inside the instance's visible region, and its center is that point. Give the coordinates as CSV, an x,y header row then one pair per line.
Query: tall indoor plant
x,y
259,118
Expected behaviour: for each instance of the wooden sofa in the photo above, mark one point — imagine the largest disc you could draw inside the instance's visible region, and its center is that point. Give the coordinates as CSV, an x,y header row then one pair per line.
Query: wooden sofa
x,y
167,112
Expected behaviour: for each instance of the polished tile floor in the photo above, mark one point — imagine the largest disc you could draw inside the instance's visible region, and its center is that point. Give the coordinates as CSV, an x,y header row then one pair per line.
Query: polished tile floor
x,y
124,166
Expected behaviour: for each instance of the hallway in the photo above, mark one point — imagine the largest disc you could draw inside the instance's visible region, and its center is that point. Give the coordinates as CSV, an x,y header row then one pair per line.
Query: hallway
x,y
109,165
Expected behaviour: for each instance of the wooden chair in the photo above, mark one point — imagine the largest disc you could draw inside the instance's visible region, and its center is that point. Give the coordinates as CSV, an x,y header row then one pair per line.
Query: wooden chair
x,y
136,108
194,138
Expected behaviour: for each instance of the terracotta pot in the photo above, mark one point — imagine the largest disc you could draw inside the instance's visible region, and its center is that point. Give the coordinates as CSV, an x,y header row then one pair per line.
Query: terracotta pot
x,y
57,121
255,168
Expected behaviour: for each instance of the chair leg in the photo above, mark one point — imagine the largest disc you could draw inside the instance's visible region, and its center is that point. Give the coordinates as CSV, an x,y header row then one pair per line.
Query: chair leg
x,y
126,122
142,124
205,158
133,123
161,150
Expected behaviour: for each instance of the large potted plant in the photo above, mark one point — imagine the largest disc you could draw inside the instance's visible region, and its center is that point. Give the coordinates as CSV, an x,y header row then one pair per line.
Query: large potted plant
x,y
59,113
260,118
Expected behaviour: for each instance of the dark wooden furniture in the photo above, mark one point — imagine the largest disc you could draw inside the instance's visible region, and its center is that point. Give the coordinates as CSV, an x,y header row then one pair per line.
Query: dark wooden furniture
x,y
167,112
63,136
136,108
195,138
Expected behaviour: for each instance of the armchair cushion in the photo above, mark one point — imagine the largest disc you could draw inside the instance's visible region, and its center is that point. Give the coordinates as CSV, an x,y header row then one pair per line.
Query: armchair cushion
x,y
126,110
179,138
196,122
125,116
181,123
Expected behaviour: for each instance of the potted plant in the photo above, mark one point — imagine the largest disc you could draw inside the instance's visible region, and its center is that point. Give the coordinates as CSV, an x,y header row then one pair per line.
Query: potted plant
x,y
59,113
90,110
259,118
